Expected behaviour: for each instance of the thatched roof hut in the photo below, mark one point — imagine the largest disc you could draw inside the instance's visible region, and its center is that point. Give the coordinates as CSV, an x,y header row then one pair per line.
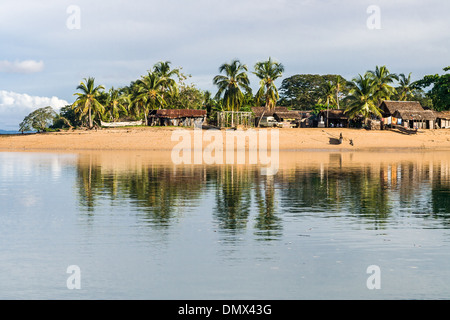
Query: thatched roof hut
x,y
442,119
445,115
388,108
258,111
334,114
423,115
287,115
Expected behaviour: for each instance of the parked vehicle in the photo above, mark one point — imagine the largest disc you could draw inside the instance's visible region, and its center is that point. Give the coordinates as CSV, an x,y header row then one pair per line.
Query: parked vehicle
x,y
268,121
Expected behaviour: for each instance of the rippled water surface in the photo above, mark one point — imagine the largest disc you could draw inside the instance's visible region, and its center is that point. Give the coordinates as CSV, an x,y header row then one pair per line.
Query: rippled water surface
x,y
139,227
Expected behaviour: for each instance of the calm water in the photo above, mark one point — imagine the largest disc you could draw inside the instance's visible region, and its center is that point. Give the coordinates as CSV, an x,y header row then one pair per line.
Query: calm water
x,y
140,228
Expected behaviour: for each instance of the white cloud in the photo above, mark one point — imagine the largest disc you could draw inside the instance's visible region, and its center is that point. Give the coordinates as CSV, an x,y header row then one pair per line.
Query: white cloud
x,y
16,106
26,66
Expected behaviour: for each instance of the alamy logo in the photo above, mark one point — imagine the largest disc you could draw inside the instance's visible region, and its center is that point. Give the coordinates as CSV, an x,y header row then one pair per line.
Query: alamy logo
x,y
73,21
374,20
258,147
74,280
374,280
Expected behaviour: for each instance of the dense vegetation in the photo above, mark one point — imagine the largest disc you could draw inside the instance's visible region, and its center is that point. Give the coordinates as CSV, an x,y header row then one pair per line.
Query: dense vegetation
x,y
164,87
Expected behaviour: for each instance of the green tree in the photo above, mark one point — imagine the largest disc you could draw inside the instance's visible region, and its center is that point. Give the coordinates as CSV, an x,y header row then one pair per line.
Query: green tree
x,y
405,89
268,72
382,81
440,89
87,101
149,95
39,120
166,74
329,93
303,91
361,99
231,85
189,97
115,104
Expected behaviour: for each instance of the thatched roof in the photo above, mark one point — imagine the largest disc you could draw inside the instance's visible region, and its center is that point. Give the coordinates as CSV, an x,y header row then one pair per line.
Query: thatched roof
x,y
415,115
335,114
279,115
177,113
390,107
442,115
258,111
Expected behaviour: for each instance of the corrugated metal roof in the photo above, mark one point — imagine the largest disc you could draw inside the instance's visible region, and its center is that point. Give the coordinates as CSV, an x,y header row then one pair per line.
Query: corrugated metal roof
x,y
177,113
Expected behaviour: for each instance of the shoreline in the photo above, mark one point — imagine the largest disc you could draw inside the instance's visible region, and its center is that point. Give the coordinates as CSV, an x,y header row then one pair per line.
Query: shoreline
x,y
290,140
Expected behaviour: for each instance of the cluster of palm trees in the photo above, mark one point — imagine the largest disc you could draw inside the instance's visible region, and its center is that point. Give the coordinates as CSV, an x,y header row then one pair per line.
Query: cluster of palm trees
x,y
234,85
366,92
137,99
153,91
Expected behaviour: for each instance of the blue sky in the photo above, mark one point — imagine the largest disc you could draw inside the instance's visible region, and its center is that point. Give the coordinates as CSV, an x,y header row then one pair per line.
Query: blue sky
x,y
42,60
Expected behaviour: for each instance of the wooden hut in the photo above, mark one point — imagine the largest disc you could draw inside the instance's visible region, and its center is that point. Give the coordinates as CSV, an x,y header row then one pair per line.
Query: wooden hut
x,y
259,111
288,119
410,119
442,119
389,108
177,117
336,118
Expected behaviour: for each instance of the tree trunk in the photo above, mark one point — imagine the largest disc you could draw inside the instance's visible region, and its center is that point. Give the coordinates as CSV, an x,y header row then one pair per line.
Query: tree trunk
x,y
90,119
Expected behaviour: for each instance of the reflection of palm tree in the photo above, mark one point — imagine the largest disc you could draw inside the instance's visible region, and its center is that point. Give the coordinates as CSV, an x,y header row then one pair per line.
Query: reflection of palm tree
x,y
268,223
233,198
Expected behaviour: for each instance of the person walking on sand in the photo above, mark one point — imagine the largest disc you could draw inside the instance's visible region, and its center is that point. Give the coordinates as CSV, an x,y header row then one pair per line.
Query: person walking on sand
x,y
341,139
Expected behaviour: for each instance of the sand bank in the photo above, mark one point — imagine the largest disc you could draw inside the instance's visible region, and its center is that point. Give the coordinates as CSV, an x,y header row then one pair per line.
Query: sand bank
x,y
160,139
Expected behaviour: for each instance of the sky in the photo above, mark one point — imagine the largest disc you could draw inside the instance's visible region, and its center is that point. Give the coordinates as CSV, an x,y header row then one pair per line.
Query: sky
x,y
47,47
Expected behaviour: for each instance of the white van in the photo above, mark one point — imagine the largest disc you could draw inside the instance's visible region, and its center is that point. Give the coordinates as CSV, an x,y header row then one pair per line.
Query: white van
x,y
268,121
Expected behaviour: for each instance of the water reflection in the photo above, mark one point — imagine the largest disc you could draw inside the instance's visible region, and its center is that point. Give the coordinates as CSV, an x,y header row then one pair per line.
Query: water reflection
x,y
373,189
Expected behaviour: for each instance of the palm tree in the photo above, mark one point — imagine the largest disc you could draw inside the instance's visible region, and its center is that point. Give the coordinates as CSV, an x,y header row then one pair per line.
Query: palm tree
x,y
329,92
149,95
382,79
87,101
115,104
231,84
361,98
405,88
163,70
268,71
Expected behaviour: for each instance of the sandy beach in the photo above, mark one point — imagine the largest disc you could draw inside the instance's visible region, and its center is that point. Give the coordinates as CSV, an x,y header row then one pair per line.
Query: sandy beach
x,y
160,139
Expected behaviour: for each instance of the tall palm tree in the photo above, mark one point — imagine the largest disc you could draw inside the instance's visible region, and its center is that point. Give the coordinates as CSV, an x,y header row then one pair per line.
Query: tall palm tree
x,y
339,85
383,79
149,95
87,101
361,98
164,71
329,92
268,71
231,84
115,104
405,88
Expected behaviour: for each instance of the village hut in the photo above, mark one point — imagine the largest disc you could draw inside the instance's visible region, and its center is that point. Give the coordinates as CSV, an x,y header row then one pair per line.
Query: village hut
x,y
288,119
258,111
407,108
409,119
442,119
336,118
263,111
177,117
